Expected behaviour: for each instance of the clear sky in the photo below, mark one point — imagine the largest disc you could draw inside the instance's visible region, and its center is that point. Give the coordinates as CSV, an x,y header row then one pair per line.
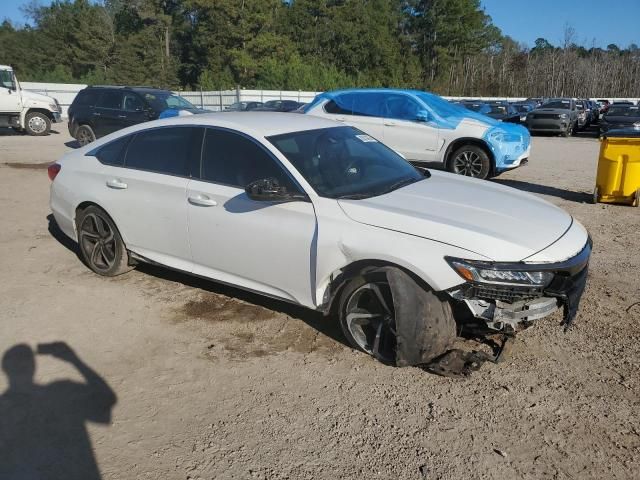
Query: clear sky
x,y
602,22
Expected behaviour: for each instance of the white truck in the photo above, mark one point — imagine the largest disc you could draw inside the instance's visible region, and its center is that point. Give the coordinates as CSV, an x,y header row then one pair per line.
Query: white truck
x,y
25,111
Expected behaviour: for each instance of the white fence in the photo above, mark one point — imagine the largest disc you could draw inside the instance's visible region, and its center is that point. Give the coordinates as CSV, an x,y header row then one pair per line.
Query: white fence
x,y
218,100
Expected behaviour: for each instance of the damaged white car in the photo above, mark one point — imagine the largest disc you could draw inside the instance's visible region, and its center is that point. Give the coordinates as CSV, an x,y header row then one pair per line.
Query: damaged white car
x,y
322,215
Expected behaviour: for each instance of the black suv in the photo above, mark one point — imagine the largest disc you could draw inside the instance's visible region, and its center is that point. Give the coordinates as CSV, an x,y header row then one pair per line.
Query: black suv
x,y
99,110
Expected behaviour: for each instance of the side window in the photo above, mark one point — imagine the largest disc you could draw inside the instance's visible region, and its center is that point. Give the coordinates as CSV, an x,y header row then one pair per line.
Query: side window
x,y
332,107
132,103
402,107
169,150
231,159
6,79
87,98
110,99
369,104
113,152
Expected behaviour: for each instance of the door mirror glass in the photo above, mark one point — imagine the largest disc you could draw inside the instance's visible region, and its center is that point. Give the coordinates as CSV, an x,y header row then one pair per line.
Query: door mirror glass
x,y
423,116
270,190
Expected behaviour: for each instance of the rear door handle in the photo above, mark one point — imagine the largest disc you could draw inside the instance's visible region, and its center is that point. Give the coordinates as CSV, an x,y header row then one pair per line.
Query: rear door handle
x,y
116,183
122,116
97,114
389,123
202,201
340,119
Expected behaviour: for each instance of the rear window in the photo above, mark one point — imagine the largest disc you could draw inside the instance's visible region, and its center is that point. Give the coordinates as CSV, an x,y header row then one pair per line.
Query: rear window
x,y
113,152
566,104
623,112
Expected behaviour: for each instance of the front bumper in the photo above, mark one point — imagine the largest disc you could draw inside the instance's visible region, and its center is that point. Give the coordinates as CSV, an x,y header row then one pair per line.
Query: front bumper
x,y
56,117
510,308
548,125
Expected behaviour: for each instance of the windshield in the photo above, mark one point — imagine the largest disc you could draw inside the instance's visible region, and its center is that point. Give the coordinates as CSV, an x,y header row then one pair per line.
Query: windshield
x,y
563,104
343,162
623,112
160,101
6,79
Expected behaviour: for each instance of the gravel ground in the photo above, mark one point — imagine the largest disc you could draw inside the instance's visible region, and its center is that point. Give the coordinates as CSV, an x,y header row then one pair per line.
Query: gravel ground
x,y
211,382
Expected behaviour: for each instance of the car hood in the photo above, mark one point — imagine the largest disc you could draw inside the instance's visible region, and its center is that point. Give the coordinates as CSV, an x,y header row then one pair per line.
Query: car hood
x,y
491,220
36,97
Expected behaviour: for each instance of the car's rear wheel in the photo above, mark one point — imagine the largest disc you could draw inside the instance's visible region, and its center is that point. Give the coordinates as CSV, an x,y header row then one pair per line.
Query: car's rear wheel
x,y
85,135
367,316
101,245
37,124
471,161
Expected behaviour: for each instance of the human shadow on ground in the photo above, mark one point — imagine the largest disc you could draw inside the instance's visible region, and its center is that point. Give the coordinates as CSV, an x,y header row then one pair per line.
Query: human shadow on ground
x,y
43,432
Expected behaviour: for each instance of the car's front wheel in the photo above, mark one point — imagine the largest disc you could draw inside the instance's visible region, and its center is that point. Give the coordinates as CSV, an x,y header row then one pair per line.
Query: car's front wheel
x,y
101,245
471,161
37,124
389,315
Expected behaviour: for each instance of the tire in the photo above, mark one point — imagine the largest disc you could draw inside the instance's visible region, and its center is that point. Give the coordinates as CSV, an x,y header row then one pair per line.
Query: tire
x,y
412,325
596,195
471,161
37,124
85,135
100,244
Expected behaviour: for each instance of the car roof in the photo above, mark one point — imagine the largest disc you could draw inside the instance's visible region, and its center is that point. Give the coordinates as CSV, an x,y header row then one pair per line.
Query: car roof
x,y
374,90
258,124
6,67
141,89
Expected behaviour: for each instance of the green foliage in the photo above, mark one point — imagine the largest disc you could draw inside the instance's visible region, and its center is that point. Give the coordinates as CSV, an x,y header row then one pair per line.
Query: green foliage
x,y
449,46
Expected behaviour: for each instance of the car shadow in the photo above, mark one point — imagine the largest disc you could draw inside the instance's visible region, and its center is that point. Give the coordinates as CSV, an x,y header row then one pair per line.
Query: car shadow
x,y
44,426
578,197
72,144
328,326
316,320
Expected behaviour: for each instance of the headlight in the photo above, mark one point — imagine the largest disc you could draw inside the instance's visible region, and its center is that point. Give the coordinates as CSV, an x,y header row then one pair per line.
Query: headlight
x,y
53,107
480,272
501,137
563,115
636,125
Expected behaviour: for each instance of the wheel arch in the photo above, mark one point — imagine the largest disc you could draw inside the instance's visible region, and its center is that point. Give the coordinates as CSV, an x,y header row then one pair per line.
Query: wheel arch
x,y
46,112
459,142
88,203
340,277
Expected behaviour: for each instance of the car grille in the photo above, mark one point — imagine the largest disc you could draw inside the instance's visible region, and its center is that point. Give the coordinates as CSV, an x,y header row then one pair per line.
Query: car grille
x,y
545,116
504,293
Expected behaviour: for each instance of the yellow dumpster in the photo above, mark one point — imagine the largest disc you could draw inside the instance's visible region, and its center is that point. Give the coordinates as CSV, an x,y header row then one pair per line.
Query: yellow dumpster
x,y
618,178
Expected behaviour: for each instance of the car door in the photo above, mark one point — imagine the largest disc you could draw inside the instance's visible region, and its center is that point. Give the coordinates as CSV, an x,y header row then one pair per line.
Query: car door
x,y
363,110
9,97
263,246
133,111
108,112
416,139
146,196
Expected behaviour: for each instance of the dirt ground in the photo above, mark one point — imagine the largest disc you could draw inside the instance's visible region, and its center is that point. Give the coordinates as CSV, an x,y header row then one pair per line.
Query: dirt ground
x,y
211,382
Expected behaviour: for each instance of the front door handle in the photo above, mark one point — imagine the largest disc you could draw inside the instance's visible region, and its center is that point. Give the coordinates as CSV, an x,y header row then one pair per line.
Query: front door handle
x,y
97,114
389,123
340,119
116,183
122,116
202,201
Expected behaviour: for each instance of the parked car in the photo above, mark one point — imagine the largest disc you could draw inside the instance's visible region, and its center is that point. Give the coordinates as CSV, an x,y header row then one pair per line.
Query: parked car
x,y
279,106
595,111
242,106
99,110
536,101
322,215
424,127
559,115
503,111
622,102
478,107
620,116
604,105
25,111
523,109
584,114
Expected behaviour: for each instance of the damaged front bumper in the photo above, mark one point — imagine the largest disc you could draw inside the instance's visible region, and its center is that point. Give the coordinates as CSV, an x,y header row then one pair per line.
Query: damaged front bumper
x,y
509,308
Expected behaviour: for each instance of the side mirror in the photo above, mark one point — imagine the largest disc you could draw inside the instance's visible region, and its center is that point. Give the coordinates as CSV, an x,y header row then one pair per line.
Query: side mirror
x,y
423,116
270,190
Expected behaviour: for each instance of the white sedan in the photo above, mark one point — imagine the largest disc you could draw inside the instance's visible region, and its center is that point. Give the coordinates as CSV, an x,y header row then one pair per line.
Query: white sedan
x,y
322,215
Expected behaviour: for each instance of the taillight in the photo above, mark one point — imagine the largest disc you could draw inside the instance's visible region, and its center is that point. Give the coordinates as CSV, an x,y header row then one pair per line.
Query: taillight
x,y
53,170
